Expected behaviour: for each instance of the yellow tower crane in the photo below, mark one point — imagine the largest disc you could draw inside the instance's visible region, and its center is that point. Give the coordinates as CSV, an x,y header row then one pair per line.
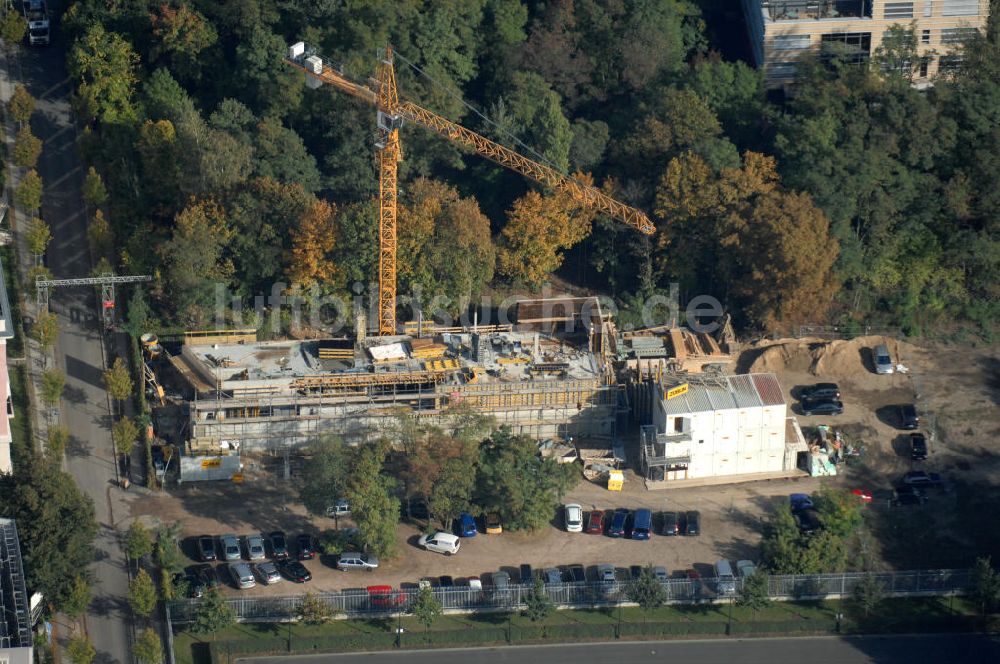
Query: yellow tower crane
x,y
391,114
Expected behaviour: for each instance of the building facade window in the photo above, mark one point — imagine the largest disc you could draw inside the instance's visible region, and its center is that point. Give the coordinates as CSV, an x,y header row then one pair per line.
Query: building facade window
x,y
856,46
779,70
956,35
949,64
925,37
898,10
924,62
928,7
790,42
959,7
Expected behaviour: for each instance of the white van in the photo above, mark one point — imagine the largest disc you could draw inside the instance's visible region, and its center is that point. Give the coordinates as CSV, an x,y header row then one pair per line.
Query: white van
x,y
883,361
725,582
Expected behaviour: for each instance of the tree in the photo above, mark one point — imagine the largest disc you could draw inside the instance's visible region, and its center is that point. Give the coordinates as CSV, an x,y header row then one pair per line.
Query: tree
x,y
324,478
984,588
104,64
646,591
314,611
102,242
118,380
309,261
13,27
94,192
38,236
45,330
755,592
869,593
29,192
537,603
148,648
538,113
21,104
138,541
181,34
168,555
142,594
78,598
212,614
373,506
426,607
53,382
80,650
125,433
27,148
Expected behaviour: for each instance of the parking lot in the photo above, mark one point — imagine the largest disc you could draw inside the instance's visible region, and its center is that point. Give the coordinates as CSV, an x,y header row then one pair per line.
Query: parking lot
x,y
955,389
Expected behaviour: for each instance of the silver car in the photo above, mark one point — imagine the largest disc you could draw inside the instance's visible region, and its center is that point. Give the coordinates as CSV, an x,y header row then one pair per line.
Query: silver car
x,y
352,560
268,572
255,547
230,547
242,575
883,361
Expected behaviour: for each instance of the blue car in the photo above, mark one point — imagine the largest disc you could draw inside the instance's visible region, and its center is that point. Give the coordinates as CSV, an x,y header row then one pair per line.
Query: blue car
x,y
800,502
642,524
618,521
466,525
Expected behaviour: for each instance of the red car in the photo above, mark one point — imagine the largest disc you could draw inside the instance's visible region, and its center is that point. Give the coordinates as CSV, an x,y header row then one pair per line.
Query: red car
x,y
863,495
595,522
385,597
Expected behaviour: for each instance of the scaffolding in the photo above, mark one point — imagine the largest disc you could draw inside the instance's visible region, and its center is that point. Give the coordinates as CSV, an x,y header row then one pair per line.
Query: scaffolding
x,y
15,625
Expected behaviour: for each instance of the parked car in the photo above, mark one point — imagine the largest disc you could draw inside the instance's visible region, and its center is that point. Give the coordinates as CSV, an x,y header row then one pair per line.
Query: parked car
x,y
863,495
820,391
191,583
208,576
574,518
527,573
159,458
493,525
661,574
255,547
745,568
821,407
695,578
267,572
725,582
551,575
642,524
909,495
918,447
206,548
883,361
440,542
800,501
351,560
306,547
606,573
466,525
474,583
279,545
921,478
295,571
908,418
339,508
446,581
578,573
385,597
595,522
230,547
671,523
692,523
242,575
617,526
501,585
634,571
808,521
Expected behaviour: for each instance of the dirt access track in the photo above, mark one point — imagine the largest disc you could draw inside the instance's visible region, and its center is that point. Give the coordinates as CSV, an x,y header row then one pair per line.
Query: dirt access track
x,y
956,390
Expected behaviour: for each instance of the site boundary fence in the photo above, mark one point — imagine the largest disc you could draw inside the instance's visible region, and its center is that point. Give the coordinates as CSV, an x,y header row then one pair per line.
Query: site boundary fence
x,y
356,602
848,331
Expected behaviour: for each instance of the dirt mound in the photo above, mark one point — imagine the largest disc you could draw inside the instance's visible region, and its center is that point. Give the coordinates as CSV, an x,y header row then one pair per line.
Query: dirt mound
x,y
818,357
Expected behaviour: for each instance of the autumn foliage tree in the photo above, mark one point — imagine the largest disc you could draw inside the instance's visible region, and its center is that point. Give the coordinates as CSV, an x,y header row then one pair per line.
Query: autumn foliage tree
x,y
27,148
21,104
309,261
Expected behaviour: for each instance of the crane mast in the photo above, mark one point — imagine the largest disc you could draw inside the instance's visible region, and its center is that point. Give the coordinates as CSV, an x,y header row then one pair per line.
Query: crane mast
x,y
391,113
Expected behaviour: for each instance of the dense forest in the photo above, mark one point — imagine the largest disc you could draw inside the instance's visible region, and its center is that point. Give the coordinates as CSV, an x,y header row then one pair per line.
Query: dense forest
x,y
858,199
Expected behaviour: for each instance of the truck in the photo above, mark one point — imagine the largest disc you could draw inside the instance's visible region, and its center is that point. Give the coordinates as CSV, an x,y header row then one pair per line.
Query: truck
x,y
37,16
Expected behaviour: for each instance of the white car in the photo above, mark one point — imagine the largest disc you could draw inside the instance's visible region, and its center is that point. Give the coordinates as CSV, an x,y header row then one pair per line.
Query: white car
x,y
268,572
440,542
255,547
242,575
574,518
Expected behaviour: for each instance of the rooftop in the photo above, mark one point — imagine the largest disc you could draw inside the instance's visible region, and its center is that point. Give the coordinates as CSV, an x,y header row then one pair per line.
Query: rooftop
x,y
15,628
708,393
6,322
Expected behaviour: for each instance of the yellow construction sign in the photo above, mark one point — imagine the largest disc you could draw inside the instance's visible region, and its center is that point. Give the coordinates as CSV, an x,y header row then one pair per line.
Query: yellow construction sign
x,y
677,391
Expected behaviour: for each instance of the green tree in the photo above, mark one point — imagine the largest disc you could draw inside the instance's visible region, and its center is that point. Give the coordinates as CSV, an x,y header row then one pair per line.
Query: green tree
x,y
125,433
167,554
95,193
427,607
78,597
538,113
314,611
212,614
45,330
38,236
100,236
142,594
755,592
180,35
80,650
148,648
27,148
29,192
374,508
138,541
646,591
13,27
118,381
537,603
21,104
897,54
984,589
53,383
869,593
324,478
58,436
104,64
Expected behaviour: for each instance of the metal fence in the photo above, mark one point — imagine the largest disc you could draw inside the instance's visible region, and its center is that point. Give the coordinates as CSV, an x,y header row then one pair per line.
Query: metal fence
x,y
359,602
848,331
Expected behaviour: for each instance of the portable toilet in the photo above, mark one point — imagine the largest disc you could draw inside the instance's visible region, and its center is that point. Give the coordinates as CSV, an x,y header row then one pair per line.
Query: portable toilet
x,y
616,480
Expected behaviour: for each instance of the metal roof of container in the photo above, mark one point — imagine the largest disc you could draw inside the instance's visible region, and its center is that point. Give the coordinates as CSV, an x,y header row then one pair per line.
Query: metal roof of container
x,y
768,389
744,391
721,397
731,392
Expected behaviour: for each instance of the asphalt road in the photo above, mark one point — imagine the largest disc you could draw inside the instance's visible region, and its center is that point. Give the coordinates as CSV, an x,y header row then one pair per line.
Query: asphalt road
x,y
932,649
84,408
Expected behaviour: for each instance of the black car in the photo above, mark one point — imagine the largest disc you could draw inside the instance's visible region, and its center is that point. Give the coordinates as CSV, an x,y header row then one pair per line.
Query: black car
x,y
578,572
918,447
295,571
305,546
919,478
195,584
908,417
910,495
159,458
527,573
566,573
821,391
446,582
635,571
279,545
208,576
206,548
671,523
692,523
822,407
807,520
